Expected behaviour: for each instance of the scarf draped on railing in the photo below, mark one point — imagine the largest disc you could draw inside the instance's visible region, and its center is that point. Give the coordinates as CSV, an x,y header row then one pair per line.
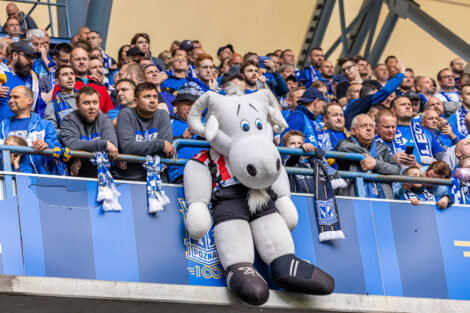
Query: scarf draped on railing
x,y
326,179
107,191
155,193
61,155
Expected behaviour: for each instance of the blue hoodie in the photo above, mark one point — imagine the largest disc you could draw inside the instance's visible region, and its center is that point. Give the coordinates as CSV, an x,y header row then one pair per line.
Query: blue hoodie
x,y
38,128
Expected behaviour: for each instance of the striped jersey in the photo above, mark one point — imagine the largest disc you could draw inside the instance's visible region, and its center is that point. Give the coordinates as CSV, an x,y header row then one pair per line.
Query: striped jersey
x,y
224,170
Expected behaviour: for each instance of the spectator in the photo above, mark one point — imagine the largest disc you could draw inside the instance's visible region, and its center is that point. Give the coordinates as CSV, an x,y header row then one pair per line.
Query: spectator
x,y
205,81
457,66
304,119
292,97
327,72
183,102
12,28
19,162
298,183
435,104
80,66
288,57
351,72
424,87
177,75
432,121
225,52
457,119
142,41
418,193
251,72
274,80
364,67
460,190
381,73
26,22
96,70
309,75
125,98
371,97
193,54
143,130
83,33
61,57
410,133
154,76
42,65
391,62
94,39
64,101
456,153
87,129
38,133
122,56
237,59
335,130
407,84
378,159
3,67
448,92
286,70
21,65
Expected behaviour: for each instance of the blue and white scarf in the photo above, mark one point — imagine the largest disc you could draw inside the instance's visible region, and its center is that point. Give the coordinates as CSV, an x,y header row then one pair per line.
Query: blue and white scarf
x,y
425,196
155,193
314,74
52,78
449,99
310,133
107,191
421,141
461,113
373,189
459,192
107,60
191,73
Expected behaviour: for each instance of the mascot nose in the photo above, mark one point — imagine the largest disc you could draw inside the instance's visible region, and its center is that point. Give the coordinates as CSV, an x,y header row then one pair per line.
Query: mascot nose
x,y
278,164
251,170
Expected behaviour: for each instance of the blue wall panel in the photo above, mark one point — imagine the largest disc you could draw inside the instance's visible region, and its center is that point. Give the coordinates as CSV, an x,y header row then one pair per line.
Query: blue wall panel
x,y
11,258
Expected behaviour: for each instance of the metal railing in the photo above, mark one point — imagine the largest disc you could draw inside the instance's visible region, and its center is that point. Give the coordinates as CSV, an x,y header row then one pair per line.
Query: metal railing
x,y
359,177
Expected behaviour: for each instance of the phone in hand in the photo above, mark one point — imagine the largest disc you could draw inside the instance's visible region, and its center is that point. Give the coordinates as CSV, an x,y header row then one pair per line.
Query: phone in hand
x,y
409,150
261,61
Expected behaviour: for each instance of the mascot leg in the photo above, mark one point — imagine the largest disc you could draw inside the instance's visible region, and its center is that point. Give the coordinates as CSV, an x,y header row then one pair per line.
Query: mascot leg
x,y
236,252
275,245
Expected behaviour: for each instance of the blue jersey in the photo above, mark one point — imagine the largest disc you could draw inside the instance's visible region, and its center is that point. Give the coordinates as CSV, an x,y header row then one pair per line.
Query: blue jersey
x,y
173,84
408,140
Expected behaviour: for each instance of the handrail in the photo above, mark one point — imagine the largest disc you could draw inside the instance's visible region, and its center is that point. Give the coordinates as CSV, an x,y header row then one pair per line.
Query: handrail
x,y
179,143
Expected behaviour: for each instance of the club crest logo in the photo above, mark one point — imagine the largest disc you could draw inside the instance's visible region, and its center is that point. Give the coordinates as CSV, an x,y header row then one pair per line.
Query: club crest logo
x,y
326,210
202,252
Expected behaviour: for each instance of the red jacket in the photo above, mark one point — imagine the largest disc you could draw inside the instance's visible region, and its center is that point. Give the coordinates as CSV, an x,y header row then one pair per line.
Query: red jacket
x,y
105,100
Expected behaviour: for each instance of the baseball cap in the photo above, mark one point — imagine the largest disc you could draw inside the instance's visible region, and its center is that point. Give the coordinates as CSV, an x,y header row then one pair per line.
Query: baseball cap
x,y
310,95
24,47
186,93
412,95
186,45
224,47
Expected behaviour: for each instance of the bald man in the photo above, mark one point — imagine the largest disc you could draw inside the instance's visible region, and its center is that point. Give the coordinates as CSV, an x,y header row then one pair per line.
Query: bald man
x,y
38,133
26,22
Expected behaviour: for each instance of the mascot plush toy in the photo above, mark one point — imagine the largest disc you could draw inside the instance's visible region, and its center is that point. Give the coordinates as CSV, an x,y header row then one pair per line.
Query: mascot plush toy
x,y
243,177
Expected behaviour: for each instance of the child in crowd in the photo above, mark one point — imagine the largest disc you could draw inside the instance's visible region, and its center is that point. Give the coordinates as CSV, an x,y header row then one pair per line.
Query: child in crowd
x,y
418,193
15,158
298,183
461,182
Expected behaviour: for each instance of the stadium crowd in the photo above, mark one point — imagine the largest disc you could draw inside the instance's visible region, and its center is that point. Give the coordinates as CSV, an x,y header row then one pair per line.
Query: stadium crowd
x,y
77,96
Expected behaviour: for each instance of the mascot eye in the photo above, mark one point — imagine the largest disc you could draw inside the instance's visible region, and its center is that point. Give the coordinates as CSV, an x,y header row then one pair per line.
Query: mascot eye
x,y
259,124
245,126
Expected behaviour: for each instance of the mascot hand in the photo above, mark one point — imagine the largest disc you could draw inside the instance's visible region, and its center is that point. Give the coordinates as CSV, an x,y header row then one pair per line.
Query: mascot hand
x,y
288,211
198,220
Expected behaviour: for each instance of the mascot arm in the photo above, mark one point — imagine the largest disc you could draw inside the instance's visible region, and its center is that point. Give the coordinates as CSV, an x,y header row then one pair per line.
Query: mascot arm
x,y
198,190
284,204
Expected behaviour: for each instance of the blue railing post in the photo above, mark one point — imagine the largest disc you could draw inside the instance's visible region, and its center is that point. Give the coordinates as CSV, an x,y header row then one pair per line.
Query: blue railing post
x,y
360,187
8,179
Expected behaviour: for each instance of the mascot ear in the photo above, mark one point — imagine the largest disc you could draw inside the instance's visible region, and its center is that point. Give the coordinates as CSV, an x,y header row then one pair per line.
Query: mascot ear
x,y
212,127
195,114
274,112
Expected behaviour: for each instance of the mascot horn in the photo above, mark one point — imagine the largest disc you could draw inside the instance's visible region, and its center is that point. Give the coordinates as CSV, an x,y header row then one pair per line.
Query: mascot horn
x,y
242,175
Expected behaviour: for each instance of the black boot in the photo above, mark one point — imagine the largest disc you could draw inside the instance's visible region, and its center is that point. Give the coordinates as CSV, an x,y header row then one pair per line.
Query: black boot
x,y
293,274
247,284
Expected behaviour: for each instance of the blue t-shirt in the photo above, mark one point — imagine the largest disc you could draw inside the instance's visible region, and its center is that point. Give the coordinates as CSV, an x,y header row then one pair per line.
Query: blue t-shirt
x,y
113,113
19,127
408,140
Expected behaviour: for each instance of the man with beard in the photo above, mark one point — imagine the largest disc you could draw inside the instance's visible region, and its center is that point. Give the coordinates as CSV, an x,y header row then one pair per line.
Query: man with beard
x,y
21,65
80,65
38,133
312,73
64,102
327,72
457,65
88,129
144,130
377,158
250,72
183,102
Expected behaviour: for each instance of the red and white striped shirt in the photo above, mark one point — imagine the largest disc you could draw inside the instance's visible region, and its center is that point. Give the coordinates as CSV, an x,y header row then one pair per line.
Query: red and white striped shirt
x,y
224,170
